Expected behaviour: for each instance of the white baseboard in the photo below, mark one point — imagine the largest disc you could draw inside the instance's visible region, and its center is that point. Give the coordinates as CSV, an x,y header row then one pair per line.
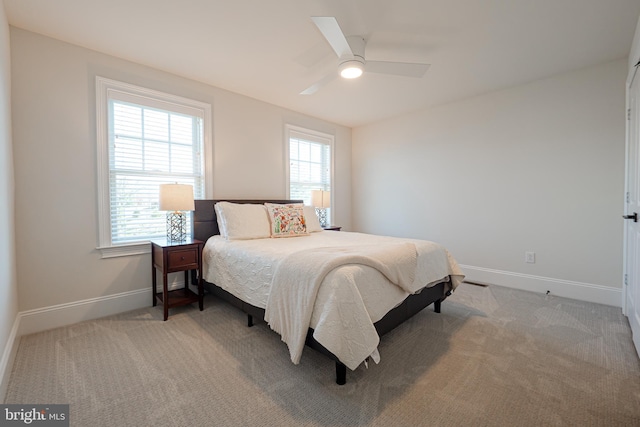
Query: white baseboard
x,y
559,287
41,319
8,355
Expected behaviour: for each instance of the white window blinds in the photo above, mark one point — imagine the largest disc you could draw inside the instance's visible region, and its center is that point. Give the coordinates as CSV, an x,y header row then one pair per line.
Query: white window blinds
x,y
149,147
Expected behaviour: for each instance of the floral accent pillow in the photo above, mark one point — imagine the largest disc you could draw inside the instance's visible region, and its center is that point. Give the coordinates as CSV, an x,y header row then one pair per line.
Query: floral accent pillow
x,y
287,220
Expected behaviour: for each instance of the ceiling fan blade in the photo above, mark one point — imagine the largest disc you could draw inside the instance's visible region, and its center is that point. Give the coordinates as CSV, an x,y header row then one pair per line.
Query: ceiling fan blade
x,y
405,69
317,85
331,31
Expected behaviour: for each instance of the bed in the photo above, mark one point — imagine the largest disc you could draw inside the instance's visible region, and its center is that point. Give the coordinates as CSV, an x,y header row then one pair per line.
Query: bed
x,y
357,287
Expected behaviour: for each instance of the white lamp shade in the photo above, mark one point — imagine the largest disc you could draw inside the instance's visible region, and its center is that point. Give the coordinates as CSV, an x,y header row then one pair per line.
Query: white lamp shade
x,y
321,198
176,197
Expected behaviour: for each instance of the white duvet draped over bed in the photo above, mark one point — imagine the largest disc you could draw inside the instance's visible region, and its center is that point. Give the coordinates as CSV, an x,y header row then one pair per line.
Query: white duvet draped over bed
x,y
297,280
349,297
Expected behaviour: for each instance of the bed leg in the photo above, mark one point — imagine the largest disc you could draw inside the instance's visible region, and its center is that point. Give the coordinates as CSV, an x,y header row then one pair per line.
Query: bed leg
x,y
341,373
249,320
436,306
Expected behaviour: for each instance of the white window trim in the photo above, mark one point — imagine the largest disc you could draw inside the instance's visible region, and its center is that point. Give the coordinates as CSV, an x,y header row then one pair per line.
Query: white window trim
x,y
104,89
311,134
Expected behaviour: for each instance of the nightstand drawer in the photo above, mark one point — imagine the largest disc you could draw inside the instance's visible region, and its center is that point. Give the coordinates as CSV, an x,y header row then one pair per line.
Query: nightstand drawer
x,y
177,259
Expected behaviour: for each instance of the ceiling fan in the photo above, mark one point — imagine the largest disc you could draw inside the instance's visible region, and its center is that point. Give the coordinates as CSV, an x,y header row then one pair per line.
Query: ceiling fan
x,y
352,62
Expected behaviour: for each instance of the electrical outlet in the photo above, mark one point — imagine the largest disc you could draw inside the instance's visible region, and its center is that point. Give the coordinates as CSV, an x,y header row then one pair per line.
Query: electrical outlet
x,y
530,257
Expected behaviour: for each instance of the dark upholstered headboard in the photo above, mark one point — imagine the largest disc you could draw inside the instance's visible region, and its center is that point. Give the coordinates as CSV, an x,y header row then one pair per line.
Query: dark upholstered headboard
x,y
205,223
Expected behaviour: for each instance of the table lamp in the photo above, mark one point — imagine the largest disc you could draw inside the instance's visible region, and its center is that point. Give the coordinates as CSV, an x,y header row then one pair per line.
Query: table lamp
x,y
321,200
176,198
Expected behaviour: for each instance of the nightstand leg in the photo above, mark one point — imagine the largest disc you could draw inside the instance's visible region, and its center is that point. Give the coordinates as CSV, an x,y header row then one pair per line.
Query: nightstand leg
x,y
200,282
153,282
165,296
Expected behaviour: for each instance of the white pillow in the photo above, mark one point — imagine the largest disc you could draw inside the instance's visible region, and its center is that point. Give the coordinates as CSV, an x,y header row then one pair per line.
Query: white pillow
x,y
311,219
222,227
238,221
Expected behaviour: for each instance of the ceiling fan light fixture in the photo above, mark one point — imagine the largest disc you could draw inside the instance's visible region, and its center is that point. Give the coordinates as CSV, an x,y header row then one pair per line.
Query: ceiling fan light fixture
x,y
351,69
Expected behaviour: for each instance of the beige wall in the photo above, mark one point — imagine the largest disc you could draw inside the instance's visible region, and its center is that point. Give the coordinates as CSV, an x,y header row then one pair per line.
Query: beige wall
x,y
55,164
8,281
538,167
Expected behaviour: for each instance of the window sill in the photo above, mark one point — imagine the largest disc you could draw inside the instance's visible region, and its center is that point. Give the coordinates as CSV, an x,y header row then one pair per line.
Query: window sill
x,y
139,248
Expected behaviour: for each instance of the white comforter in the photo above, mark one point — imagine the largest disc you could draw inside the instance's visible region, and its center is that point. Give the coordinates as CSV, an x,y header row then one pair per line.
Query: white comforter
x,y
349,297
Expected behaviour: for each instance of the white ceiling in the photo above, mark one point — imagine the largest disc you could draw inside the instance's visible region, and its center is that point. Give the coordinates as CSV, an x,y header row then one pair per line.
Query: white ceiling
x,y
271,50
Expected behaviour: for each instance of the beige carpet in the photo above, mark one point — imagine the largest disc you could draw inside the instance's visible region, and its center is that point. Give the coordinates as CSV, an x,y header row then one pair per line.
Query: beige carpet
x,y
493,357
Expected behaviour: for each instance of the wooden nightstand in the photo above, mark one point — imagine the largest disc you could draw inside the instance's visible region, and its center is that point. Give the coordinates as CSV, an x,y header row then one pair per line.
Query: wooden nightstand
x,y
332,228
170,257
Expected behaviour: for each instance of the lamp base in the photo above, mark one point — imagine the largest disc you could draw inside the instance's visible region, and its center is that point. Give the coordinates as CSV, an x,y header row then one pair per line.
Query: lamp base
x,y
176,226
322,216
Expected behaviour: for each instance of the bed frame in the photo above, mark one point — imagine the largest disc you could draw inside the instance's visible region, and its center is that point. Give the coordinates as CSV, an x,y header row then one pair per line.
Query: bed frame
x,y
205,225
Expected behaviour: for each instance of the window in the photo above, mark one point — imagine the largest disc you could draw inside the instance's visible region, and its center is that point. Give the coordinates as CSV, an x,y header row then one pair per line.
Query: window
x,y
145,138
310,156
